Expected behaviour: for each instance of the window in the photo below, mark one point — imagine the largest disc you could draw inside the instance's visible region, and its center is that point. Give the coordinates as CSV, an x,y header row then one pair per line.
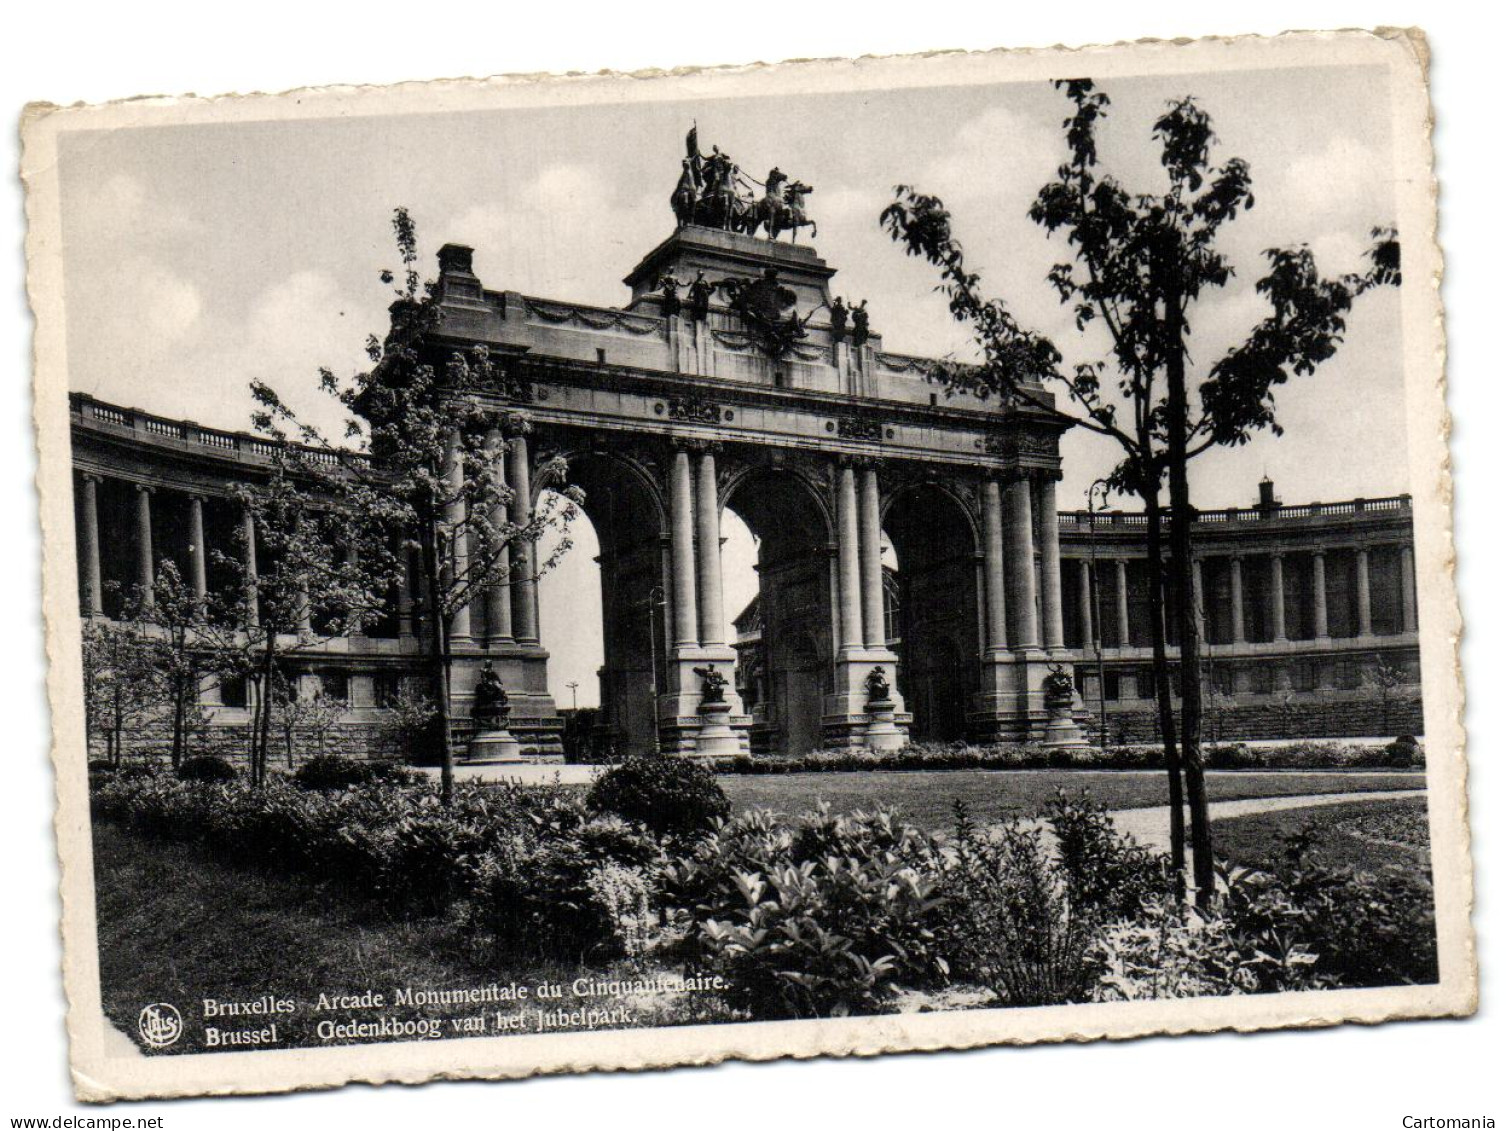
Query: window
x,y
335,686
1111,686
386,687
233,691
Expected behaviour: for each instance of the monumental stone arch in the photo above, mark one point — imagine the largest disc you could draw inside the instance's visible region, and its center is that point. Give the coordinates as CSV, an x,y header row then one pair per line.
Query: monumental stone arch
x,y
733,378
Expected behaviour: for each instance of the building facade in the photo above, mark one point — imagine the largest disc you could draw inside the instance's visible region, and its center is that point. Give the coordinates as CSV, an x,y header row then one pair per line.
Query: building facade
x,y
734,378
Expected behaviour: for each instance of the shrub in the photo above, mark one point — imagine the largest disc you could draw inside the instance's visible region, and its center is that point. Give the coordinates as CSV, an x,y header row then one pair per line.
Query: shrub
x,y
1010,923
101,766
1366,929
207,768
1107,875
1405,751
395,773
675,797
528,863
812,916
582,892
331,771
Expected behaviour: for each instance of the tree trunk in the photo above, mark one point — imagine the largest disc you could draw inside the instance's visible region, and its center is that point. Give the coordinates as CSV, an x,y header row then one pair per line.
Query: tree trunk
x,y
440,645
1150,496
1181,575
178,715
264,722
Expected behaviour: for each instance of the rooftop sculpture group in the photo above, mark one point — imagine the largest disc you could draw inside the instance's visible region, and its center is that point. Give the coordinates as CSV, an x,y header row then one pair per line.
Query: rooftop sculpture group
x,y
715,193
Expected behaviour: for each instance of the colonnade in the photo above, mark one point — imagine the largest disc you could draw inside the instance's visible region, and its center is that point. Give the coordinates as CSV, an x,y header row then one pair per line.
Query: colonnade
x,y
510,609
1022,600
1275,609
144,547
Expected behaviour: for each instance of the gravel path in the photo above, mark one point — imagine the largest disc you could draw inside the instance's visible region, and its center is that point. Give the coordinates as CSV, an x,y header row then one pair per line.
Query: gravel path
x,y
1151,827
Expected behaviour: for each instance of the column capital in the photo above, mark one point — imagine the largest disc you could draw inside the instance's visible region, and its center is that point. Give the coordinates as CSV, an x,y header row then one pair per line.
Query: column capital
x,y
92,477
514,424
145,488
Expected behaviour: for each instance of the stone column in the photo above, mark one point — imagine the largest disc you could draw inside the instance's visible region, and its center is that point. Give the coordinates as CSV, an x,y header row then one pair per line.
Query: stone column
x,y
708,537
455,517
1362,588
198,554
1085,600
1026,631
525,587
1121,600
1320,597
870,561
499,596
1237,599
248,568
305,613
145,575
1051,564
849,571
1278,599
1408,592
682,543
94,593
996,637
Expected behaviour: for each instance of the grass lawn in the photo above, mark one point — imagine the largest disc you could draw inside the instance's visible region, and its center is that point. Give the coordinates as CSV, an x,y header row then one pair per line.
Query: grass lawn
x,y
925,797
1374,835
178,925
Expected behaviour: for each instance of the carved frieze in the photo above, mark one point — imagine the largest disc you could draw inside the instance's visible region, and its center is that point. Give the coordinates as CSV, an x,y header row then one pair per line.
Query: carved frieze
x,y
859,428
693,409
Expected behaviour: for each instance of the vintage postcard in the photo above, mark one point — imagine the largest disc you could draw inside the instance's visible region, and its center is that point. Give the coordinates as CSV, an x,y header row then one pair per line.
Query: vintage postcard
x,y
552,574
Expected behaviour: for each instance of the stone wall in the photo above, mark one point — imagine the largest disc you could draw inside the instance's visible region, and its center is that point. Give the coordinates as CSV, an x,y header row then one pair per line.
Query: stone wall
x,y
360,741
1249,723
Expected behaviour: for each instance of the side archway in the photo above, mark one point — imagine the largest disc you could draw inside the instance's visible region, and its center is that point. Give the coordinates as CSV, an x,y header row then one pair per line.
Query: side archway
x,y
935,630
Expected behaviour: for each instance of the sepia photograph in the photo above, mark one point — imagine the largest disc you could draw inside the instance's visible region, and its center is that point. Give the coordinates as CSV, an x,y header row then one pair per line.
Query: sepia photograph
x,y
552,574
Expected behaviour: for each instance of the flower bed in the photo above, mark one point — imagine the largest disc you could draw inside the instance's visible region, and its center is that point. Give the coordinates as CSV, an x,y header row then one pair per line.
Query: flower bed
x,y
819,914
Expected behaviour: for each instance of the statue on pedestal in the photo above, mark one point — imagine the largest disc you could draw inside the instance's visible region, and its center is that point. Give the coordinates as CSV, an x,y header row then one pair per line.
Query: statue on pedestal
x,y
699,297
877,685
490,709
860,323
669,295
838,320
713,684
1058,687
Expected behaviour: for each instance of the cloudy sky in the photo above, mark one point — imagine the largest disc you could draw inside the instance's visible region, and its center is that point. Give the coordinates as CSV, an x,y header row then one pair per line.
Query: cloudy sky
x,y
197,258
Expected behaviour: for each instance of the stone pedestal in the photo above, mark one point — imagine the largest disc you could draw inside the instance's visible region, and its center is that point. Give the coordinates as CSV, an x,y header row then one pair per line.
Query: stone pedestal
x,y
882,733
1061,730
494,746
716,738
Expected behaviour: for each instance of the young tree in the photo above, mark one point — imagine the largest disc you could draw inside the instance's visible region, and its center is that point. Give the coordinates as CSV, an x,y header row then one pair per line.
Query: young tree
x,y
184,649
1139,263
123,684
304,572
432,484
297,715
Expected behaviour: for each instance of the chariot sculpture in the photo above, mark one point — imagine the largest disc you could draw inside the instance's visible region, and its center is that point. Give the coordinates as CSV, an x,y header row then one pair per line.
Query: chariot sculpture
x,y
713,192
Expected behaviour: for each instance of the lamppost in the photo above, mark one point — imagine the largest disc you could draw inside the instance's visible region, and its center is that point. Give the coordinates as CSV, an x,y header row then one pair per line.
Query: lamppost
x,y
655,603
1100,488
572,685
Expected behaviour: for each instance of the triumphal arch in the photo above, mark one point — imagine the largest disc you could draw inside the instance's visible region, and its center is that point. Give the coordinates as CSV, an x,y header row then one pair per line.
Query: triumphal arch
x,y
735,378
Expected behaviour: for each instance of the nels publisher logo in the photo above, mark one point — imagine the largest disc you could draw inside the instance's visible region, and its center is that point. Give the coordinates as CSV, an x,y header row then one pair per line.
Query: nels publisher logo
x,y
160,1025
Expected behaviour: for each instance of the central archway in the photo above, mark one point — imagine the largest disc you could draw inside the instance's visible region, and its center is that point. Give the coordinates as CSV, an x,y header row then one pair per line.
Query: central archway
x,y
626,511
788,640
935,547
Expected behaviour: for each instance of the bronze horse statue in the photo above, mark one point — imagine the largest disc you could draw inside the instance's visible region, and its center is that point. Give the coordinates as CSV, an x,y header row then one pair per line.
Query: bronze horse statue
x,y
778,213
685,197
